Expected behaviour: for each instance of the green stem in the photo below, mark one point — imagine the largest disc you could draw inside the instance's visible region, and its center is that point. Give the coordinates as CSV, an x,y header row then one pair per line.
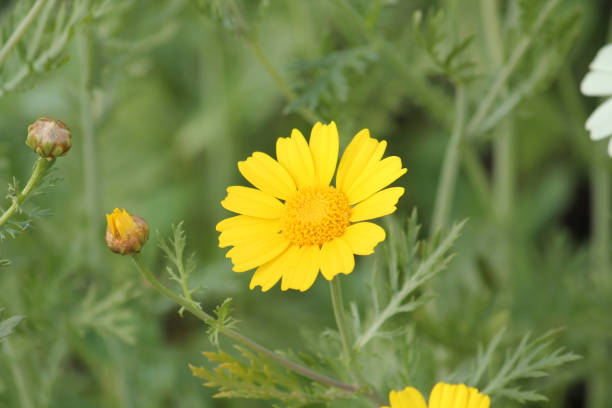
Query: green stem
x,y
502,145
337,303
20,30
307,114
20,384
41,167
601,204
90,185
477,174
448,176
504,74
205,317
594,154
503,173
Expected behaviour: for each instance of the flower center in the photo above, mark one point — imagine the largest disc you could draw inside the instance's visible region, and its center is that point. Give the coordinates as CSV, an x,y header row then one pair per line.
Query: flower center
x,y
315,215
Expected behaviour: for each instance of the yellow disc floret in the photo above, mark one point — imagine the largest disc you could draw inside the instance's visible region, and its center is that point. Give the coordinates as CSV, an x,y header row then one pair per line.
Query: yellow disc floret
x,y
315,215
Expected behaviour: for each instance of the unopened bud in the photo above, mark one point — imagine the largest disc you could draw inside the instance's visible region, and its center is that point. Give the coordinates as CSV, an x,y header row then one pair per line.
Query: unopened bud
x,y
125,233
49,138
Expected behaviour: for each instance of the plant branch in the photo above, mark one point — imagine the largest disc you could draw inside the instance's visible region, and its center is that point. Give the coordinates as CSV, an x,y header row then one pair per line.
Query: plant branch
x,y
337,303
90,185
20,383
506,71
41,167
202,315
448,175
242,28
426,270
20,30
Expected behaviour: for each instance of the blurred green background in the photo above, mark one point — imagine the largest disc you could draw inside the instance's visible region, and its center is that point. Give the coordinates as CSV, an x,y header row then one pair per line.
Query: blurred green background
x,y
164,99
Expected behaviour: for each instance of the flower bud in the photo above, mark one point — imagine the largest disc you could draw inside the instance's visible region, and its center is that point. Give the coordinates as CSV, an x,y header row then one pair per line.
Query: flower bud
x,y
125,233
49,138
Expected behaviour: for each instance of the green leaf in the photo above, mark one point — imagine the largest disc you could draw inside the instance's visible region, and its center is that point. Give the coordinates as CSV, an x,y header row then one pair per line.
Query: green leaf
x,y
531,358
223,321
253,376
174,249
410,264
8,326
326,79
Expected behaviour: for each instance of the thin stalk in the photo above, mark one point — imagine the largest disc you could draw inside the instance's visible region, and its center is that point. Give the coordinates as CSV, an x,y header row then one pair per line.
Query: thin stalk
x,y
600,223
503,170
90,185
503,173
41,167
20,30
205,317
600,226
476,174
307,114
504,74
20,384
450,166
340,315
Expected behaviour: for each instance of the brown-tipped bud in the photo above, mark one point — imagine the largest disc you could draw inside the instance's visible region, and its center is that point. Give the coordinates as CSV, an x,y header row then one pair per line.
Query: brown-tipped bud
x,y
125,233
49,138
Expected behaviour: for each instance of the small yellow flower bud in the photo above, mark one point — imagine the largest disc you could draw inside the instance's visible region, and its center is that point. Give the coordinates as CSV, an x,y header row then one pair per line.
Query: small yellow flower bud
x,y
49,138
125,233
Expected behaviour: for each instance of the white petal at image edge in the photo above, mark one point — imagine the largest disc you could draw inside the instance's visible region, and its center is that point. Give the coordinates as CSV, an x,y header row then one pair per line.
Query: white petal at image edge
x,y
597,84
600,121
603,60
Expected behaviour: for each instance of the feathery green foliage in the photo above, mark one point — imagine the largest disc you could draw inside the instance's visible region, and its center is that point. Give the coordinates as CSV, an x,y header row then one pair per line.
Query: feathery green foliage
x,y
8,325
163,101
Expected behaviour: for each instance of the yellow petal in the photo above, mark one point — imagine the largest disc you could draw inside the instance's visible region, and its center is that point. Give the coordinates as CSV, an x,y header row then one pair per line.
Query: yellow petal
x,y
435,397
268,175
242,229
249,201
378,205
384,173
336,257
253,254
485,401
324,146
477,400
268,274
355,158
369,167
294,155
460,399
448,395
239,221
363,237
302,274
409,397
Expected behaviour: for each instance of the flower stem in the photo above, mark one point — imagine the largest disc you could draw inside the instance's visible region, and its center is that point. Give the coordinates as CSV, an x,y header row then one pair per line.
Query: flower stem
x,y
90,184
448,176
202,315
20,30
41,167
507,70
337,303
20,383
242,28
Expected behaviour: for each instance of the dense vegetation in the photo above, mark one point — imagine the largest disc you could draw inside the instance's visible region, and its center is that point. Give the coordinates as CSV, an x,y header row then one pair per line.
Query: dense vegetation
x,y
506,283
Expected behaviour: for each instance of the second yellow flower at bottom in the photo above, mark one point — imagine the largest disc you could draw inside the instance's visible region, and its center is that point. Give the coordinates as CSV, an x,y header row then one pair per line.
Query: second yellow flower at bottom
x,y
442,396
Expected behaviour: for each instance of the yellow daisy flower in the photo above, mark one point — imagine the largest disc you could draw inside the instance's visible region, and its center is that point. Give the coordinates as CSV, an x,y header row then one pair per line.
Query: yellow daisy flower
x,y
442,396
293,224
